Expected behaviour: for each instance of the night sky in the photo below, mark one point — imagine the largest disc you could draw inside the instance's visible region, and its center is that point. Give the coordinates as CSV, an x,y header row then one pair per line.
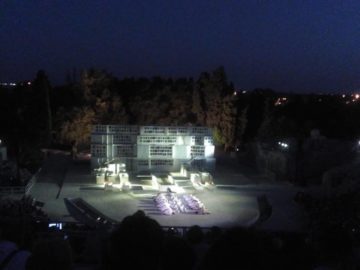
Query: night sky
x,y
309,46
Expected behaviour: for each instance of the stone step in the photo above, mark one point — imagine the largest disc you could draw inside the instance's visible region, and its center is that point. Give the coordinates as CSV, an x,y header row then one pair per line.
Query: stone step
x,y
180,178
184,184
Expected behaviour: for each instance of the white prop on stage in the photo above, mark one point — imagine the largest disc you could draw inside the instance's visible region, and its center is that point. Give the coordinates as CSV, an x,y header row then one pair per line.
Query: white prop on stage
x,y
171,204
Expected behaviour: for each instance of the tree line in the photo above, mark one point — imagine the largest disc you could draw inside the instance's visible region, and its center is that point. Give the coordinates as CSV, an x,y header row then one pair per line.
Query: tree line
x,y
38,115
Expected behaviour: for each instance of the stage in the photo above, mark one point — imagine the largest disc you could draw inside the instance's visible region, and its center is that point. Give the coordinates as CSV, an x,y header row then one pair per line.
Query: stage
x,y
232,203
227,208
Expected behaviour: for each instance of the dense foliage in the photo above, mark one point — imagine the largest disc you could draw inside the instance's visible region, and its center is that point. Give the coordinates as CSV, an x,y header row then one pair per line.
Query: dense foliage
x,y
36,115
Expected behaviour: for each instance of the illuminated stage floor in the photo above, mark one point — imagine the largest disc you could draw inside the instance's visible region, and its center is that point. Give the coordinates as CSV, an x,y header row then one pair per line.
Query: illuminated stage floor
x,y
227,208
228,205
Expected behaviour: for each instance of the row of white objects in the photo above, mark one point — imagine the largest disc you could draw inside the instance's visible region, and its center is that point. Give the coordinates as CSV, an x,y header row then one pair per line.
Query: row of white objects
x,y
163,205
193,202
170,203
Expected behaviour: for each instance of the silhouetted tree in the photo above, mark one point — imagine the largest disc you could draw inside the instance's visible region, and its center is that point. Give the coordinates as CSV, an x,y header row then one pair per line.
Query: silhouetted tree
x,y
240,126
42,89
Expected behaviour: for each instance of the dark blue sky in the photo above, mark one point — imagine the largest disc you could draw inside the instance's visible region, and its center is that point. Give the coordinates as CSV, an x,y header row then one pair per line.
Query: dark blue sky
x,y
292,45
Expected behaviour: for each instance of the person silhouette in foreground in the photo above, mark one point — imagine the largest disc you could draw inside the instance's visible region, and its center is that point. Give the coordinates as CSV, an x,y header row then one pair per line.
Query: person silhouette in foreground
x,y
135,244
52,254
239,249
177,254
13,248
11,257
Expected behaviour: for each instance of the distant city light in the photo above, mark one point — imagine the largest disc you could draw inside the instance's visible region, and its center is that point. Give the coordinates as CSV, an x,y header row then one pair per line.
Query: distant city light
x,y
280,101
343,96
357,96
284,145
8,84
244,92
235,93
28,83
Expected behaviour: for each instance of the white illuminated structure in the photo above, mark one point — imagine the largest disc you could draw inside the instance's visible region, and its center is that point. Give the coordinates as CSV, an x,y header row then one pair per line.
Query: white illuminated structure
x,y
152,148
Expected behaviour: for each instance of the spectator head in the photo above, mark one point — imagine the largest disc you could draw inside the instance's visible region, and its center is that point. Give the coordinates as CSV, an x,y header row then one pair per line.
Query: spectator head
x,y
50,254
135,244
177,254
195,235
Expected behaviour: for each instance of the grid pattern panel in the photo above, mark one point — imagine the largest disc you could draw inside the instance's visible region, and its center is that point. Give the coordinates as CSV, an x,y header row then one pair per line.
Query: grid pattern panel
x,y
100,129
172,130
208,140
122,139
143,162
157,139
197,140
98,150
158,144
98,138
124,150
160,151
200,131
154,130
183,130
197,151
123,129
161,162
